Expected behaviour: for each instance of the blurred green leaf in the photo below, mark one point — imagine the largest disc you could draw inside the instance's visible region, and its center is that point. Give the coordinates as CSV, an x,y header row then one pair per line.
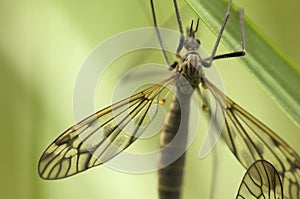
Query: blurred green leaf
x,y
279,77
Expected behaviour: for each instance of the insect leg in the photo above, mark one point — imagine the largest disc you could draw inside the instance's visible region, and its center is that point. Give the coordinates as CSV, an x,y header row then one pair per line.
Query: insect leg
x,y
238,53
158,34
207,62
181,40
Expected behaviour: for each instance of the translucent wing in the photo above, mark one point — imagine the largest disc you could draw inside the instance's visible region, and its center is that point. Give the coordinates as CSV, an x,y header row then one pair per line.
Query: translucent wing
x,y
251,140
261,181
101,136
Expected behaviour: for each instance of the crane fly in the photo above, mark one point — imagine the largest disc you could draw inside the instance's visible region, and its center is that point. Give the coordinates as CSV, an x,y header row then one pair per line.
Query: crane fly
x,y
101,136
261,181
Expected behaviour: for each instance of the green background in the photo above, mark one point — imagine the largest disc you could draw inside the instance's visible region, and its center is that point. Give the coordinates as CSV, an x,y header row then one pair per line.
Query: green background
x,y
44,43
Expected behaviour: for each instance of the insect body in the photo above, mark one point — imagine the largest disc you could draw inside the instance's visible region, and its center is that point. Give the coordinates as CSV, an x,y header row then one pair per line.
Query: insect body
x,y
189,76
103,135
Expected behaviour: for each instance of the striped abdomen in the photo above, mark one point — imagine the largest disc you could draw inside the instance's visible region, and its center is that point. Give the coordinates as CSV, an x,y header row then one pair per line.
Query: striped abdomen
x,y
173,142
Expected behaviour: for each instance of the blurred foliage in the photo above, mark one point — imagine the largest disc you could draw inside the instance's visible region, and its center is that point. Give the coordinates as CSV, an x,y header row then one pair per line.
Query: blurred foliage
x,y
44,43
